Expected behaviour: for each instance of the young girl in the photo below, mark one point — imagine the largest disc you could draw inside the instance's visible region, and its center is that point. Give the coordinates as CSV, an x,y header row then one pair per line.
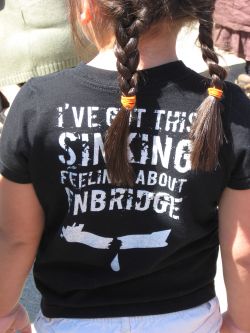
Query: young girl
x,y
121,189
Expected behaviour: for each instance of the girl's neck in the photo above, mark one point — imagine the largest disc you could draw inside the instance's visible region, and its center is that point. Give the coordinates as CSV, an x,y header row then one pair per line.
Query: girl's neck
x,y
155,49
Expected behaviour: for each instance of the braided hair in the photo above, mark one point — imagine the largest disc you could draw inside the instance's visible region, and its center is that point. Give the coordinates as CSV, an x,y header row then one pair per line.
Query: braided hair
x,y
207,133
130,19
127,32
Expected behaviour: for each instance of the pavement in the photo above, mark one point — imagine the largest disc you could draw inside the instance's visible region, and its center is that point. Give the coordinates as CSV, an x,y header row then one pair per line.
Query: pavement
x,y
188,51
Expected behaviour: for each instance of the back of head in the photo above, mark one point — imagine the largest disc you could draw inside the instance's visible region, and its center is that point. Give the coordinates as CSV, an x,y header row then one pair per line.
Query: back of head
x,y
128,20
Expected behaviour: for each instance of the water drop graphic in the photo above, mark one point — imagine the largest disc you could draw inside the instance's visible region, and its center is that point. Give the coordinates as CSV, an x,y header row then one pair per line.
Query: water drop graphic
x,y
115,264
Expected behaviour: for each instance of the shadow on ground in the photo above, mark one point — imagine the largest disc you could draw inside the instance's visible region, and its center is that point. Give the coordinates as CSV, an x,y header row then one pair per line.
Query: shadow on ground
x,y
31,298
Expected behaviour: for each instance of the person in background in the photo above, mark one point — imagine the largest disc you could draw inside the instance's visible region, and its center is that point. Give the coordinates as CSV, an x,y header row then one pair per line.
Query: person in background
x,y
4,104
232,33
35,40
121,179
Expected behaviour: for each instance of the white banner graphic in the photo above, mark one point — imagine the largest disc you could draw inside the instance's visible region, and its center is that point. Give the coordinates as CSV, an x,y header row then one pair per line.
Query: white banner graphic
x,y
147,241
75,234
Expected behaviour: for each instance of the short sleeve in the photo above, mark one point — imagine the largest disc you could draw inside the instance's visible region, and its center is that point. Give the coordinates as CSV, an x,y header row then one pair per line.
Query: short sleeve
x,y
15,139
239,127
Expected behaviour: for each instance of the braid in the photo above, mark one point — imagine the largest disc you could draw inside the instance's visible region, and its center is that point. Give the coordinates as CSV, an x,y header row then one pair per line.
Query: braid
x,y
129,20
207,131
127,31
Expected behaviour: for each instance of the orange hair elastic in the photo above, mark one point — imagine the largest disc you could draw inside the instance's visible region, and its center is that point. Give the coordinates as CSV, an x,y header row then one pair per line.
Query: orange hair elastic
x,y
215,92
128,102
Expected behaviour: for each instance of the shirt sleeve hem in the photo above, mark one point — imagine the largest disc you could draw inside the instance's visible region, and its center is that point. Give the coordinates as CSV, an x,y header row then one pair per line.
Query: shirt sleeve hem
x,y
13,176
240,184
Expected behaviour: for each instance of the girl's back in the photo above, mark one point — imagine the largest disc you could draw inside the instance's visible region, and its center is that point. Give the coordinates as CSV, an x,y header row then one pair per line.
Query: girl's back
x,y
121,245
130,185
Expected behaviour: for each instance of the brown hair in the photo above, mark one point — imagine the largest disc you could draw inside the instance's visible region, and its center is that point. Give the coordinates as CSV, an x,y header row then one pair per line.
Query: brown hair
x,y
130,19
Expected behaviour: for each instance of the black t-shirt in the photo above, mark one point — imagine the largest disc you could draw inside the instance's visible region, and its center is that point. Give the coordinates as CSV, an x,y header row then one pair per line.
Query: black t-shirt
x,y
114,251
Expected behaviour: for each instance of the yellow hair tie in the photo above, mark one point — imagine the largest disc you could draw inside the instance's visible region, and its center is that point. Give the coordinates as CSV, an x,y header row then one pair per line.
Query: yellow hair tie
x,y
128,102
215,92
